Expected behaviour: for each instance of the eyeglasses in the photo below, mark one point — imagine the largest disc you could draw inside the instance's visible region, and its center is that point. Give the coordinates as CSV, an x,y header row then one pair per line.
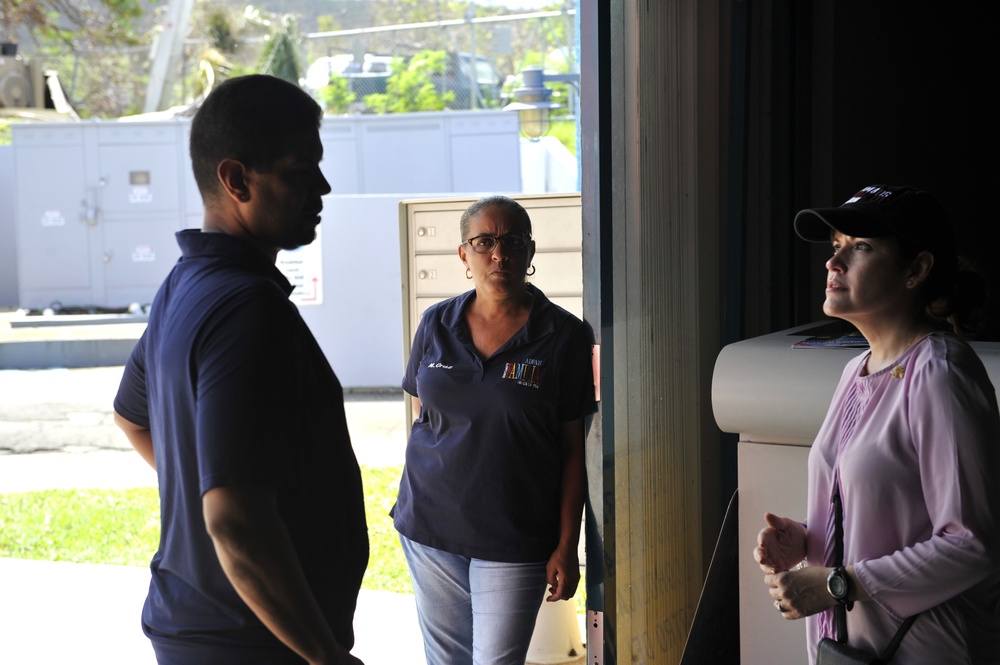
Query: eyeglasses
x,y
484,244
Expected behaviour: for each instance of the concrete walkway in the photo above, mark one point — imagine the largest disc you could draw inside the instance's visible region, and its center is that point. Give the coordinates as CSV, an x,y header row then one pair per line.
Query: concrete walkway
x,y
57,612
56,431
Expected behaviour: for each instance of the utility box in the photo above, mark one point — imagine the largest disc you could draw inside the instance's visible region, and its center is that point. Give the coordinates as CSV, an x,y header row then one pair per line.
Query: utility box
x,y
98,203
97,208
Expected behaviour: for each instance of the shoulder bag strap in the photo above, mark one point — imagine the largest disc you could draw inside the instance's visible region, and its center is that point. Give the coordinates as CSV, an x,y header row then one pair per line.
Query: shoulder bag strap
x,y
840,612
890,650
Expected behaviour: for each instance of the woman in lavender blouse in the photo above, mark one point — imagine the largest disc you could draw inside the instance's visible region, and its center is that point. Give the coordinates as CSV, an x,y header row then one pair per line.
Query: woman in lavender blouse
x,y
911,443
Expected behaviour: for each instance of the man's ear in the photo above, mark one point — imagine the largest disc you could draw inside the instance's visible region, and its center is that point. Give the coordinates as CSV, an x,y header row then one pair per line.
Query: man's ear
x,y
233,177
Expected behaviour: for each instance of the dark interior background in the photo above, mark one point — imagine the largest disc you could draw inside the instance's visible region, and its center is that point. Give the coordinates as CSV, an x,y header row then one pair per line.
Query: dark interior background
x,y
839,95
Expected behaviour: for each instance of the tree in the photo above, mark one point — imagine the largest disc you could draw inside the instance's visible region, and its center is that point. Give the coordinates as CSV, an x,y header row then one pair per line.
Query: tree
x,y
72,37
224,41
71,21
219,43
220,31
411,86
280,57
337,96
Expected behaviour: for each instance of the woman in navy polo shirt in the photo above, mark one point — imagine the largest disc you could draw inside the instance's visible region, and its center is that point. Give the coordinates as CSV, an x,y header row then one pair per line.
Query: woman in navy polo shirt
x,y
490,501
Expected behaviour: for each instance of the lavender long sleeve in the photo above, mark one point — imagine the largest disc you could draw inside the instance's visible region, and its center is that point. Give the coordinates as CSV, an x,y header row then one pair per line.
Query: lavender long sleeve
x,y
918,450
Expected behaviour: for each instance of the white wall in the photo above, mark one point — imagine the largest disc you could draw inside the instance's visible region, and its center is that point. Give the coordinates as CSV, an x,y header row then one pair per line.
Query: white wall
x,y
450,151
547,166
359,324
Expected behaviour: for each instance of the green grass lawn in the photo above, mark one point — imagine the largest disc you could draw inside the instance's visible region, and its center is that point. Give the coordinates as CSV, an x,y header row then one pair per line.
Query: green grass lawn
x,y
123,527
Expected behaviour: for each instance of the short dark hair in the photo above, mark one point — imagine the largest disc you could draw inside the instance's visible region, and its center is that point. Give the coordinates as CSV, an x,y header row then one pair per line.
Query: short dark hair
x,y
250,119
514,210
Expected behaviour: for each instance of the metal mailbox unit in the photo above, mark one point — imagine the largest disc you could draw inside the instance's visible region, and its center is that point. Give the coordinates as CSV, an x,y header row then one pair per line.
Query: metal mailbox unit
x,y
97,208
776,397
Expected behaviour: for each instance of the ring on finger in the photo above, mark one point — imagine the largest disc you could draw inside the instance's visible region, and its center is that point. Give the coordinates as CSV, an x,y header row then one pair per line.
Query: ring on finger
x,y
781,609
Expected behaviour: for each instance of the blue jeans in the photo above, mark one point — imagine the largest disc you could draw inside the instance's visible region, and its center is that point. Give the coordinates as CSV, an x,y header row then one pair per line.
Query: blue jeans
x,y
471,611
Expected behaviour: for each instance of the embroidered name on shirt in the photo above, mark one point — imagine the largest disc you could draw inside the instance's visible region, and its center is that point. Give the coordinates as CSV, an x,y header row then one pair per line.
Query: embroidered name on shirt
x,y
528,373
439,366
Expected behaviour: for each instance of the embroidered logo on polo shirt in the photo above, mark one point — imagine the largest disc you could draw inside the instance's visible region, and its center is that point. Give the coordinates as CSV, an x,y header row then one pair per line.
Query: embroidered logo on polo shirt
x,y
528,373
439,366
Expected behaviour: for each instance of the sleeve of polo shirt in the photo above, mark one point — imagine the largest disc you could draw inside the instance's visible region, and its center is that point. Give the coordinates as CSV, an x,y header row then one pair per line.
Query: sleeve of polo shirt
x,y
246,394
131,401
576,377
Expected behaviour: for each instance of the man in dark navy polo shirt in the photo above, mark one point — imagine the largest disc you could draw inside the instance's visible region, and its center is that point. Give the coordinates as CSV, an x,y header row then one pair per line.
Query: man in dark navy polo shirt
x,y
228,396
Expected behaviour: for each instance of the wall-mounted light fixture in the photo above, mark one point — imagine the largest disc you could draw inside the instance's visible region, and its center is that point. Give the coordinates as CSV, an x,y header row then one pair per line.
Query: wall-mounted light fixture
x,y
532,100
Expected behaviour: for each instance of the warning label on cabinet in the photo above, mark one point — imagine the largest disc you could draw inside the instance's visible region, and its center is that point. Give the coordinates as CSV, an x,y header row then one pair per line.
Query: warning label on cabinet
x,y
143,254
53,218
140,194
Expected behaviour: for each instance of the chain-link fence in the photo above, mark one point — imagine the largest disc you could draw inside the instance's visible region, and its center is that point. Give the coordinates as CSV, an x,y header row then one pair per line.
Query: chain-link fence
x,y
477,66
477,63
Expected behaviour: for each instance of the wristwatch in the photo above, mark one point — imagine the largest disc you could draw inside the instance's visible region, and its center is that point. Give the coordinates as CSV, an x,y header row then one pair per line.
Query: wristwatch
x,y
839,585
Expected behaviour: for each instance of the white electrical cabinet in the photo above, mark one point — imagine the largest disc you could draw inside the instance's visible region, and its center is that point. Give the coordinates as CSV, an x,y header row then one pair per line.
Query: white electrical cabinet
x,y
98,203
97,208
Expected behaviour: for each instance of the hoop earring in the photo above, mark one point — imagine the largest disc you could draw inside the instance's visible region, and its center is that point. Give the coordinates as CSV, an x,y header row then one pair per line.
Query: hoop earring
x,y
532,272
468,273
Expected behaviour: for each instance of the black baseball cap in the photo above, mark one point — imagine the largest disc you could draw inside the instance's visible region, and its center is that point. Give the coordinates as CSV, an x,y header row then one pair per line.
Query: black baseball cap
x,y
882,210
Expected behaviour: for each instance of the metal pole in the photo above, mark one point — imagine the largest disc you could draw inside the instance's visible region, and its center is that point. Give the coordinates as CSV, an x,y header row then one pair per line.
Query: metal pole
x,y
473,76
166,50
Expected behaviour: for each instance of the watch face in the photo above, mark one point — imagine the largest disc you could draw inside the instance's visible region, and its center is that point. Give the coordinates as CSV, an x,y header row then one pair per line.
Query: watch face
x,y
838,586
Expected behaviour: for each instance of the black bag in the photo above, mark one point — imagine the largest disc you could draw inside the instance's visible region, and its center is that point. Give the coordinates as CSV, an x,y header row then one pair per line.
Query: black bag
x,y
832,652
